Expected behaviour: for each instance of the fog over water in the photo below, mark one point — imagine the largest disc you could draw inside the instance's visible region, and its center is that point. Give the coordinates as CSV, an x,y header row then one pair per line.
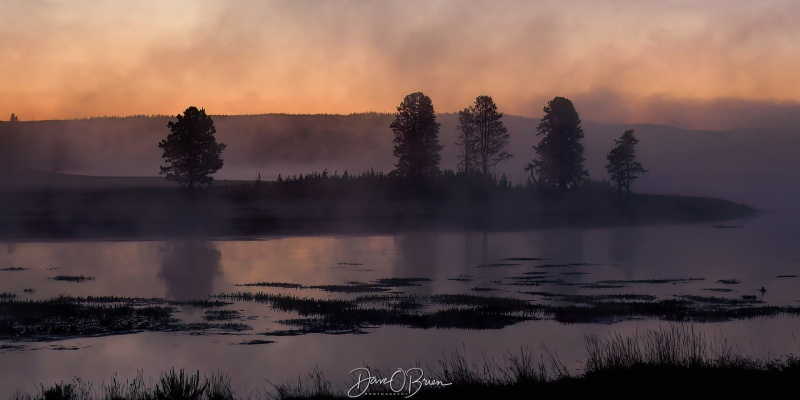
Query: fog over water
x,y
756,166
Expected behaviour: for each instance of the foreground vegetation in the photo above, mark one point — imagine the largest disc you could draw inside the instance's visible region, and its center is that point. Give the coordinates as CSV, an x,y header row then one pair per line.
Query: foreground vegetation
x,y
662,363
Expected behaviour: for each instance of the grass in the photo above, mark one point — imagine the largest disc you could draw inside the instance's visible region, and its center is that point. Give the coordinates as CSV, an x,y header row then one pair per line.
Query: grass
x,y
9,269
380,285
472,311
668,362
67,316
172,385
72,278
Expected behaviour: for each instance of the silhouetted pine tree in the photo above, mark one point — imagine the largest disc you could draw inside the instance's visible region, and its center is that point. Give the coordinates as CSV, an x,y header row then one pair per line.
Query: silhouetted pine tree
x,y
622,165
559,161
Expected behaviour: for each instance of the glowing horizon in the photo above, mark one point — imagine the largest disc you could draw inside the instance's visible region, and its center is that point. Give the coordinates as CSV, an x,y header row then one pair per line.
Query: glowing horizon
x,y
619,61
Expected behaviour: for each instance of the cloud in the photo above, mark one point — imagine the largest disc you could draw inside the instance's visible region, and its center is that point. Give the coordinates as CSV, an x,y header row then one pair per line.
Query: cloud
x,y
76,59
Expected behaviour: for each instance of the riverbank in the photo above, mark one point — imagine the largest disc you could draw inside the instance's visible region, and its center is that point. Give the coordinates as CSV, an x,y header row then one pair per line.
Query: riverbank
x,y
316,205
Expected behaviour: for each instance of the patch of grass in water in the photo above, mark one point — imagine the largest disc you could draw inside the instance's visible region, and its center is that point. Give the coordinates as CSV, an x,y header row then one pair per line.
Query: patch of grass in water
x,y
288,303
255,342
28,290
283,285
716,300
395,301
201,303
543,294
651,281
524,259
601,286
353,287
582,298
221,315
786,276
482,289
6,296
399,282
494,304
569,265
72,278
72,316
11,269
497,265
722,290
534,281
729,281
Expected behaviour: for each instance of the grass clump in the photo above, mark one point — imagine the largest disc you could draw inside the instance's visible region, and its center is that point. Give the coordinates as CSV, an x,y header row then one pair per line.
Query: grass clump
x,y
175,386
668,362
11,269
72,278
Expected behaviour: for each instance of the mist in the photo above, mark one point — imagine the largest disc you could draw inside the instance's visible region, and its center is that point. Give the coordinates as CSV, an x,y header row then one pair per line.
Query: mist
x,y
621,62
679,161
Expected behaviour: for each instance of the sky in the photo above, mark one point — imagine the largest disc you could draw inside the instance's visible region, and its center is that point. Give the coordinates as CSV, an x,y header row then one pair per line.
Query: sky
x,y
695,64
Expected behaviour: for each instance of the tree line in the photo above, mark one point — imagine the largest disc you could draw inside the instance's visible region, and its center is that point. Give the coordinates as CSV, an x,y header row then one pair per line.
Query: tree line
x,y
192,154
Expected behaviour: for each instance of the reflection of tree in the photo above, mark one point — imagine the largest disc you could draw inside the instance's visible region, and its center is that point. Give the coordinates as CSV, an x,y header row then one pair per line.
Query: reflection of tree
x,y
189,268
417,256
622,250
563,245
476,250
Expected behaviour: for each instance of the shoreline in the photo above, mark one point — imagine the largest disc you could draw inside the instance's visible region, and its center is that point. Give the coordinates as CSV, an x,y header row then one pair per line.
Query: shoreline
x,y
250,211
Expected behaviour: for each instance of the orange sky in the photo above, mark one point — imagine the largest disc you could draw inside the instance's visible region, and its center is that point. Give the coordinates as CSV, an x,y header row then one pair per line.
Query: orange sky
x,y
619,61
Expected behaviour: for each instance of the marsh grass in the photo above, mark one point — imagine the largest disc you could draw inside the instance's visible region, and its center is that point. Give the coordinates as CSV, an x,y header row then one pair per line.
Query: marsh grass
x,y
283,285
172,385
651,281
380,285
11,269
72,278
471,311
666,362
221,315
313,385
74,316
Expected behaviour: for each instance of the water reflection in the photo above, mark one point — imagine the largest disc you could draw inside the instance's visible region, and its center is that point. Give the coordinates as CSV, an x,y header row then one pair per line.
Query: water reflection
x,y
623,251
562,244
188,268
417,253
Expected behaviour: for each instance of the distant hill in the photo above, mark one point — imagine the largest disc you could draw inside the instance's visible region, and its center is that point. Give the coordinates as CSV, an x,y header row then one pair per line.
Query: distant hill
x,y
720,163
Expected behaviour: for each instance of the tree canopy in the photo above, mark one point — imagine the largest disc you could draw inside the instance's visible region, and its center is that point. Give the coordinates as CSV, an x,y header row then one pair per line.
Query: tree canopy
x,y
482,136
416,141
559,155
191,151
622,165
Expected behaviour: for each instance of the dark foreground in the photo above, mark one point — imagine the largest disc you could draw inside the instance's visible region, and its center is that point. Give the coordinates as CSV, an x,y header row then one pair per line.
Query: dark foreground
x,y
668,363
318,204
